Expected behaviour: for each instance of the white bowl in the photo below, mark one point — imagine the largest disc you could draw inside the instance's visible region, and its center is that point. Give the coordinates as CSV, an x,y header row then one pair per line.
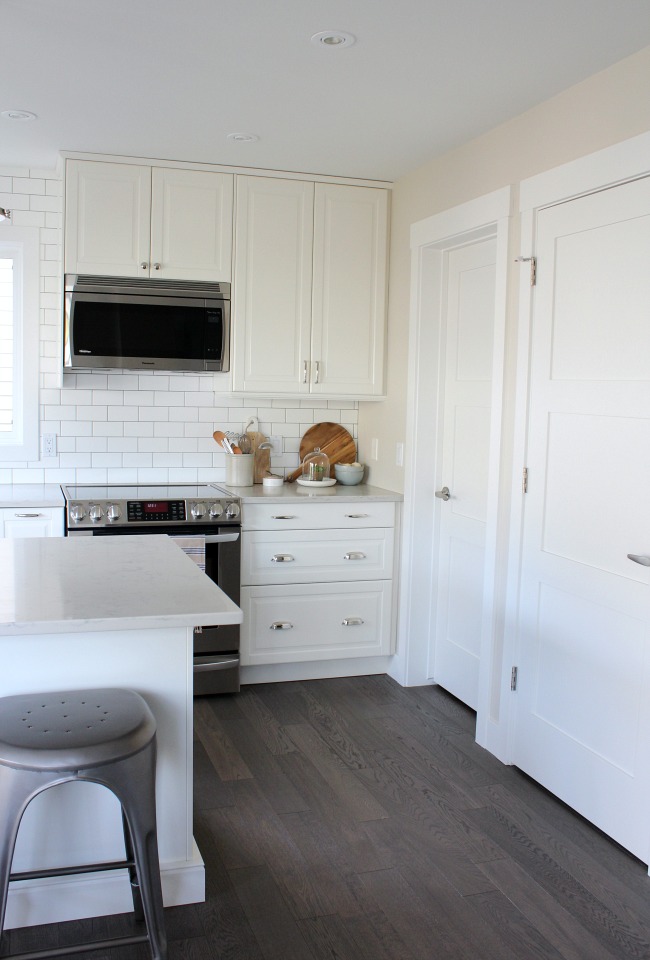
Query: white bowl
x,y
349,474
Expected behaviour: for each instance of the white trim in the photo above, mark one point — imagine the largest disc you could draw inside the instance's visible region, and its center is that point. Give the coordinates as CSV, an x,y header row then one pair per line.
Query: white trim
x,y
597,171
487,216
23,244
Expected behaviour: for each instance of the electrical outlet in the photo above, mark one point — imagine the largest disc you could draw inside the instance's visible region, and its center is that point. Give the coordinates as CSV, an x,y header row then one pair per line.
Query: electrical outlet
x,y
374,449
399,454
48,442
276,443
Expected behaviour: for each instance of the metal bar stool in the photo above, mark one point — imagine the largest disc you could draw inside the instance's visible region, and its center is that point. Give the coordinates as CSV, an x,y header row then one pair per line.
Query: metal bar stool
x,y
105,736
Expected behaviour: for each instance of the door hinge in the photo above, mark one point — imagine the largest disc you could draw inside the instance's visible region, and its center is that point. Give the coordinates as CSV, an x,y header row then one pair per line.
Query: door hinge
x,y
513,678
533,267
524,480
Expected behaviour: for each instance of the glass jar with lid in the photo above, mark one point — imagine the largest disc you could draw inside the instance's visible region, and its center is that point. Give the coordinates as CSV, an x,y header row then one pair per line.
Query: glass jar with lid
x,y
316,466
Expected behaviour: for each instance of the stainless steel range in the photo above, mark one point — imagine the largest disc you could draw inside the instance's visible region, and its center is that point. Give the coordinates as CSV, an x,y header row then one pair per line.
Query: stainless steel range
x,y
205,521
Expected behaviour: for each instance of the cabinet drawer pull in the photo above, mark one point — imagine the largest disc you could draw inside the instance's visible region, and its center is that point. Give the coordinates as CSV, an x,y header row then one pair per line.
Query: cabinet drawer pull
x,y
282,517
281,625
282,558
317,380
356,516
28,515
354,555
351,622
304,371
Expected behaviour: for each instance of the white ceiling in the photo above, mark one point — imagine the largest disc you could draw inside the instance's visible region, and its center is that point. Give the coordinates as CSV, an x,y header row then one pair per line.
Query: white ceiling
x,y
169,79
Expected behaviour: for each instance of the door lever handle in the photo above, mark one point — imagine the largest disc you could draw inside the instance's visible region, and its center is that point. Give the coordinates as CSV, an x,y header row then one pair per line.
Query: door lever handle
x,y
443,494
644,561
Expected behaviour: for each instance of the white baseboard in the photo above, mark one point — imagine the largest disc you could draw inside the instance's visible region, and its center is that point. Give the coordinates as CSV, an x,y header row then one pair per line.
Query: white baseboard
x,y
56,899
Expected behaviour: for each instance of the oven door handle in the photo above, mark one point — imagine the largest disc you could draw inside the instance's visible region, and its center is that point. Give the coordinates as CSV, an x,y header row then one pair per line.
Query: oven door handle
x,y
215,664
222,538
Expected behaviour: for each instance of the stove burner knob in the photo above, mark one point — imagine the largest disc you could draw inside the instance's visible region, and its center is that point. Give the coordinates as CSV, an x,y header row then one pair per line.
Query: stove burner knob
x,y
95,513
77,512
216,509
198,510
113,512
232,510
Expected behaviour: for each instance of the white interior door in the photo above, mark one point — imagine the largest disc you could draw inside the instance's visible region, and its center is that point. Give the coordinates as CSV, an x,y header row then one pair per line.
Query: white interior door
x,y
583,709
467,345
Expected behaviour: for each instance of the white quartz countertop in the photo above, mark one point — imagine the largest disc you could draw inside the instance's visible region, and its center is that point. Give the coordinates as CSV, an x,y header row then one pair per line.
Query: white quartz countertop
x,y
293,492
68,585
31,495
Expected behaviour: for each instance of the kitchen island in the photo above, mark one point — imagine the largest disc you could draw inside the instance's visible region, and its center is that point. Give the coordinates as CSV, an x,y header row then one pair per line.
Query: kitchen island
x,y
99,612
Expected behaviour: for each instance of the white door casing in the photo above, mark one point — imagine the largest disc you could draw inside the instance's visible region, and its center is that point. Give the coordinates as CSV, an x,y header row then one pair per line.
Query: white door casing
x,y
466,347
583,714
431,239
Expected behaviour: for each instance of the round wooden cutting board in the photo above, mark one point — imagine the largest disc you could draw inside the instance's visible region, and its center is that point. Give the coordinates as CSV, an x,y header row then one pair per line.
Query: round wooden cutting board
x,y
332,439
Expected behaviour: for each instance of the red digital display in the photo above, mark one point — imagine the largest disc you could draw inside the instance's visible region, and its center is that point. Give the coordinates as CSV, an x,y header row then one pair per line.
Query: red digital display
x,y
156,506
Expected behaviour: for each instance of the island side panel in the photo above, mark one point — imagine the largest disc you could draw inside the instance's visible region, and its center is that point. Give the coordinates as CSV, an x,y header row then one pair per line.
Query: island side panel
x,y
80,822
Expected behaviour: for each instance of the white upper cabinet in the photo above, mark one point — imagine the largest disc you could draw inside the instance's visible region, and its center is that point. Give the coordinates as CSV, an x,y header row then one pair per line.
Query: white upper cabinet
x,y
349,292
138,221
271,297
309,295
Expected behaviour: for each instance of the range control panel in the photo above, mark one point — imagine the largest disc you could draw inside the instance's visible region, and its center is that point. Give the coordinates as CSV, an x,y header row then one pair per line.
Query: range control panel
x,y
86,514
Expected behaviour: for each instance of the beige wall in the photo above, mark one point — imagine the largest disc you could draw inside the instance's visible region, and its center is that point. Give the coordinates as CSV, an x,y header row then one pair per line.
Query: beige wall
x,y
609,107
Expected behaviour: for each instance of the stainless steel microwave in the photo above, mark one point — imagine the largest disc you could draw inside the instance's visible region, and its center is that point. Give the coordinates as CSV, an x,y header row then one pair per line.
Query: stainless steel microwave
x,y
137,324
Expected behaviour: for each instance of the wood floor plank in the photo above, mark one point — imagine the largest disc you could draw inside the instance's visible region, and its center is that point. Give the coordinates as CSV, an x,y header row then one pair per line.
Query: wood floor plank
x,y
224,757
263,721
359,801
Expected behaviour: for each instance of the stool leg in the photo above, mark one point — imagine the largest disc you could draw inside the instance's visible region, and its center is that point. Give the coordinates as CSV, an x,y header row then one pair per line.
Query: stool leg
x,y
133,782
133,872
17,788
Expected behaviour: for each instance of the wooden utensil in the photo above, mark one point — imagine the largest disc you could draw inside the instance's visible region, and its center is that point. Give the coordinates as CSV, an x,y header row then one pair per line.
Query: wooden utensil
x,y
332,439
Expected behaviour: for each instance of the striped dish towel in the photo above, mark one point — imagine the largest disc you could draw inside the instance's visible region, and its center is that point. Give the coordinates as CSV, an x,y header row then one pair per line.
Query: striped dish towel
x,y
194,547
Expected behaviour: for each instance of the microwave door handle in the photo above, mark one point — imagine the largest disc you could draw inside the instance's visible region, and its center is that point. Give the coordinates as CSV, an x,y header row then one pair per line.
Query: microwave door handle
x,y
222,538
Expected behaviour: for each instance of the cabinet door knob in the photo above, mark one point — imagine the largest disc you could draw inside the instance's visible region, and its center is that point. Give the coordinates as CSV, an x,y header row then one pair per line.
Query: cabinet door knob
x,y
156,266
281,625
354,555
282,558
144,265
351,622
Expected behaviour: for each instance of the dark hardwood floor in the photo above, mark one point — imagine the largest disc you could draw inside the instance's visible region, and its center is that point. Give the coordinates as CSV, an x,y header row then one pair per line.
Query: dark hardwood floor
x,y
351,819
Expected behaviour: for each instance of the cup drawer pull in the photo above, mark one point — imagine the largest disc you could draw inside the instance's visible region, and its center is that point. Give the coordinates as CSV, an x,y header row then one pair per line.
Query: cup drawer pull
x,y
282,517
282,558
351,622
281,625
354,555
356,516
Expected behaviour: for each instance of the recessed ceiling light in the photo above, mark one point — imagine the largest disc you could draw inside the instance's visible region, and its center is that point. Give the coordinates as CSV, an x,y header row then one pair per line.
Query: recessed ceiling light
x,y
243,137
333,38
18,115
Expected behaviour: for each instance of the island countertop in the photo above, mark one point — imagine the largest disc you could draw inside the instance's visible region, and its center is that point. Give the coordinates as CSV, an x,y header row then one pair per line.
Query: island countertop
x,y
66,585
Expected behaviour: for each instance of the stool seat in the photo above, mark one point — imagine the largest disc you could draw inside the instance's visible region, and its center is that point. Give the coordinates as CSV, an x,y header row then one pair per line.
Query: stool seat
x,y
70,729
105,736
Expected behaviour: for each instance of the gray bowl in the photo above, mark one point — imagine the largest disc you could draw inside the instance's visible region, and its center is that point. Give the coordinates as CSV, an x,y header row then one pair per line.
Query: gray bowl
x,y
348,474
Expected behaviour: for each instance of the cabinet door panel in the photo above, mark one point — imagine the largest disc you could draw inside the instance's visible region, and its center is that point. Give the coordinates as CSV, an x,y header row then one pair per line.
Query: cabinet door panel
x,y
349,300
315,622
107,218
191,224
28,522
272,285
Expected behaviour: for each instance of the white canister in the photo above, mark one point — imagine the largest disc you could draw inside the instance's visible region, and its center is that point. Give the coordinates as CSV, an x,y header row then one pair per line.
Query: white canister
x,y
239,469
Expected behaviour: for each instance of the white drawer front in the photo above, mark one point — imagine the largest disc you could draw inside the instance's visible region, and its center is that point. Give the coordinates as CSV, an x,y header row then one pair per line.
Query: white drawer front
x,y
20,522
310,515
311,556
315,622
